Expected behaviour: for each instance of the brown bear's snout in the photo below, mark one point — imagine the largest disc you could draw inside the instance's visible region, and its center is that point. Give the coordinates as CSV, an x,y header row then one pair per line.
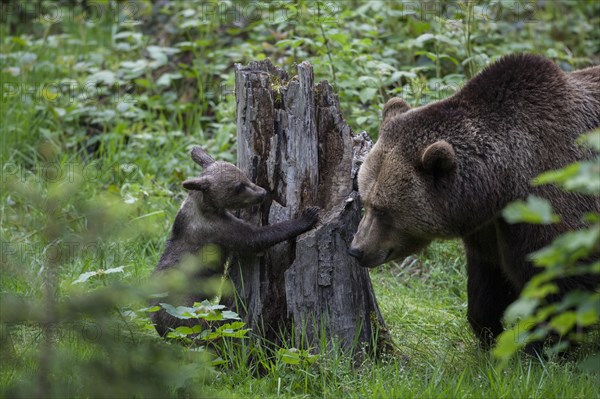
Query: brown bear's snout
x,y
258,194
355,253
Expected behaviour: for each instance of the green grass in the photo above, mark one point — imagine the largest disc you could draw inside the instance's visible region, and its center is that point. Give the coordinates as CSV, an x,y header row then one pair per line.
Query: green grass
x,y
425,308
122,149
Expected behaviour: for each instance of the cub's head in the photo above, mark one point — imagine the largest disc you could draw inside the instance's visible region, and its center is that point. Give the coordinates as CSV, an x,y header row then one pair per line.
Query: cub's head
x,y
222,185
400,187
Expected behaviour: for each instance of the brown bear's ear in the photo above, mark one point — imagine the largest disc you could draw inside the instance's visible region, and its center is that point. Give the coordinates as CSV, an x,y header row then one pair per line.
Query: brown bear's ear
x,y
439,156
198,184
394,106
201,157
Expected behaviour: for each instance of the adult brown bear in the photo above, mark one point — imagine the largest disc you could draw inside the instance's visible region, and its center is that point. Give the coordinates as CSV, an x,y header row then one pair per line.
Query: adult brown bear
x,y
448,169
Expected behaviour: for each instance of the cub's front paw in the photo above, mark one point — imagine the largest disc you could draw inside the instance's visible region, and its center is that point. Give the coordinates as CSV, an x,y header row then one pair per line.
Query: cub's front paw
x,y
311,215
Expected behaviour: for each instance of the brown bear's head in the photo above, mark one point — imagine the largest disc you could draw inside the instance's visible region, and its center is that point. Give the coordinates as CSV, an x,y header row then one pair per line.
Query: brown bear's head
x,y
447,168
222,185
400,185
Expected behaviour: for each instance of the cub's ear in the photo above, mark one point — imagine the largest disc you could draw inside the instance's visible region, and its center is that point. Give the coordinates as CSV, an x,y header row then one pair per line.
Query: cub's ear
x,y
394,106
439,157
201,157
197,184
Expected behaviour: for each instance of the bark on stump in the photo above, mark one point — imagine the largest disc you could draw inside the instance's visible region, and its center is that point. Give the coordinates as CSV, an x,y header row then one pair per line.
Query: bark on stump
x,y
293,141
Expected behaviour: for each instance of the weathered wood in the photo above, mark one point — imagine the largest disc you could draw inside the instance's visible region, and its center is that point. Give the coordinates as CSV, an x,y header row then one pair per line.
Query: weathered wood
x,y
293,140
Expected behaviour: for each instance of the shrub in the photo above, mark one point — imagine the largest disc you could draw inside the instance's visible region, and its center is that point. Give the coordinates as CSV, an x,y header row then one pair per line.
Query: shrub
x,y
568,255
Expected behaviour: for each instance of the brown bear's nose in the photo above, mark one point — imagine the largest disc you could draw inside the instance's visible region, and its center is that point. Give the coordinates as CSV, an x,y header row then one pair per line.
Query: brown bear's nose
x,y
356,253
261,193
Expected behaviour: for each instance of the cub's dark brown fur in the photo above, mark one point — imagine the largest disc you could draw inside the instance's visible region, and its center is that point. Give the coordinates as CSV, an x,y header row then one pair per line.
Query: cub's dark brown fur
x,y
448,169
204,224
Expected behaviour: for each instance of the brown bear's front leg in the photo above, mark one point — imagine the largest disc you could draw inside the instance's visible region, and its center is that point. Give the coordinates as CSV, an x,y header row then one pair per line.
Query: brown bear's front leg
x,y
241,237
489,291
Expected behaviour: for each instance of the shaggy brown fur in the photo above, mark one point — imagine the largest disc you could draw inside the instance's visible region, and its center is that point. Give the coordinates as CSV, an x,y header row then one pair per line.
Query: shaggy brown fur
x,y
448,169
206,234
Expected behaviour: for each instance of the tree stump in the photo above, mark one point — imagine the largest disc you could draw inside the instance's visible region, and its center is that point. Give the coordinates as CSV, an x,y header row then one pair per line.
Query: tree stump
x,y
293,141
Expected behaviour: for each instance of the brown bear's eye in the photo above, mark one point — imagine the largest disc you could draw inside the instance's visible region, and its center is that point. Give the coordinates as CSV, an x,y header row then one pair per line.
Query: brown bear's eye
x,y
239,188
378,212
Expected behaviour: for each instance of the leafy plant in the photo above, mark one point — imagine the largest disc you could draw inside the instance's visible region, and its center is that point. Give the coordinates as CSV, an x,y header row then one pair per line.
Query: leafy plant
x,y
210,327
83,277
114,93
295,356
82,341
570,255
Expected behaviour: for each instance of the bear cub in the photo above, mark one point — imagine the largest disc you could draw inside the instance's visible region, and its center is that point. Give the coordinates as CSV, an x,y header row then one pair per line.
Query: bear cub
x,y
205,223
447,169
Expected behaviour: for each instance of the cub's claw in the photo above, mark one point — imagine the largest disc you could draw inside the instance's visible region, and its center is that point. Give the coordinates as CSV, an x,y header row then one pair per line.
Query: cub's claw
x,y
311,215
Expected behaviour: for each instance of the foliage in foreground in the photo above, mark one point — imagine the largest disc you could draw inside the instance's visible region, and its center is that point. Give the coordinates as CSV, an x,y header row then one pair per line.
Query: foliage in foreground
x,y
98,112
78,336
570,255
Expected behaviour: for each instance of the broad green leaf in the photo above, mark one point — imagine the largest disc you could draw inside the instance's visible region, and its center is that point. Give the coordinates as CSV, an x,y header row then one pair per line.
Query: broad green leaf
x,y
588,311
521,308
591,218
235,333
367,94
402,74
545,290
184,330
114,270
572,299
84,277
569,247
105,77
295,356
211,315
218,362
166,78
237,325
508,343
432,56
341,38
564,322
175,335
591,140
181,312
587,317
191,23
581,177
424,38
370,79
557,176
197,328
536,210
227,314
289,356
207,305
